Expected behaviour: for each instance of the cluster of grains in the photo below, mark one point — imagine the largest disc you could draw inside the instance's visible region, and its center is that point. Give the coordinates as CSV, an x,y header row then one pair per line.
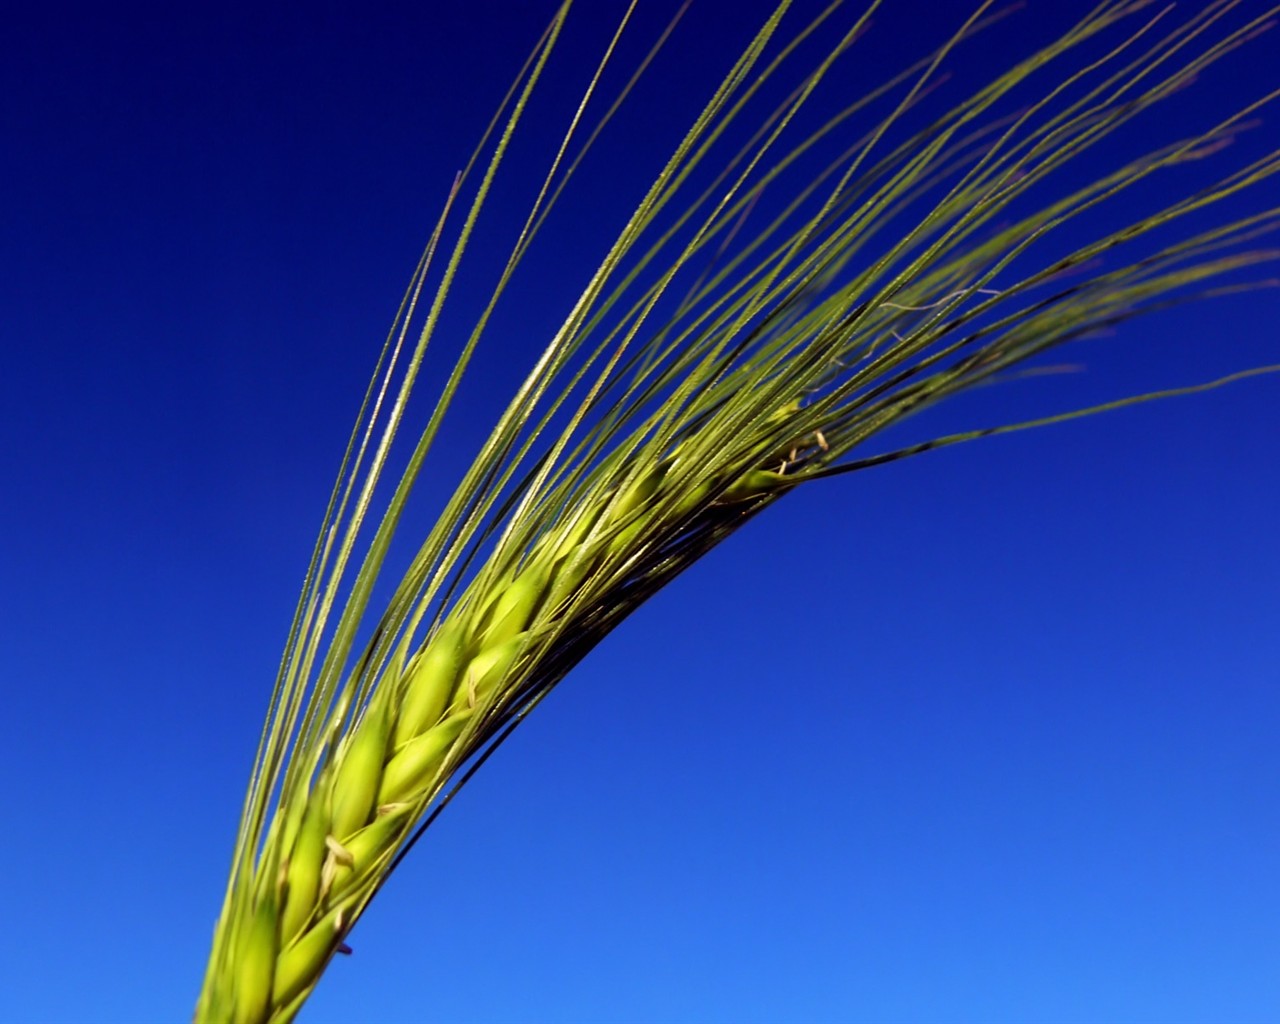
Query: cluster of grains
x,y
412,734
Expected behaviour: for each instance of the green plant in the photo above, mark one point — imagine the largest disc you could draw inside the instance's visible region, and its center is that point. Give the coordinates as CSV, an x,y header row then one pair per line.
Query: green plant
x,y
708,367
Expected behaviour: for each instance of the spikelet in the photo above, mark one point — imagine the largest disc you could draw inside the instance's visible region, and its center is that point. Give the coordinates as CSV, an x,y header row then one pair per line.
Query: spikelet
x,y
360,852
303,869
300,963
754,484
485,671
256,962
637,493
430,682
355,786
414,764
514,606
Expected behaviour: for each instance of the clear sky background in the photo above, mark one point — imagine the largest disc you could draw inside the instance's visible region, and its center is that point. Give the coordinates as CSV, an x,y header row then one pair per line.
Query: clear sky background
x,y
988,735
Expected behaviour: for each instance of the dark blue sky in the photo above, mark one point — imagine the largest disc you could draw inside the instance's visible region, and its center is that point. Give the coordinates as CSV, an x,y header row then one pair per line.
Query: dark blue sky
x,y
987,735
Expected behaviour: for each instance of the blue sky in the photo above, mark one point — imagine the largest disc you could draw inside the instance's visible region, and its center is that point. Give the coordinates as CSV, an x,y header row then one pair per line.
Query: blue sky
x,y
987,735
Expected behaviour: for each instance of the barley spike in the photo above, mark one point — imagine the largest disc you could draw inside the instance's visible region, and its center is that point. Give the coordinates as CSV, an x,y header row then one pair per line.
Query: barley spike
x,y
651,428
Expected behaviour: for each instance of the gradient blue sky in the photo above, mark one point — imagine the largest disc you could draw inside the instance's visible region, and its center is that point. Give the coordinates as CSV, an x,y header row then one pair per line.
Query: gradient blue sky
x,y
988,735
